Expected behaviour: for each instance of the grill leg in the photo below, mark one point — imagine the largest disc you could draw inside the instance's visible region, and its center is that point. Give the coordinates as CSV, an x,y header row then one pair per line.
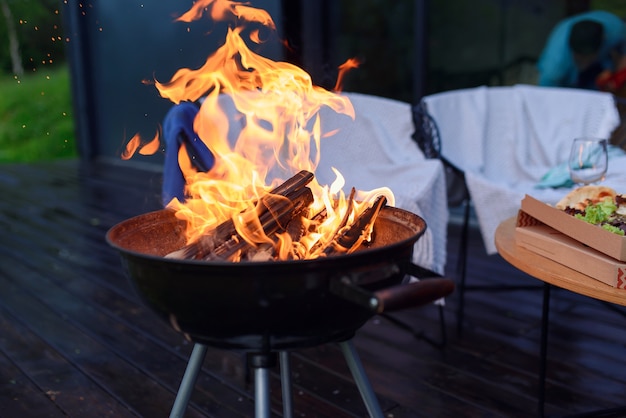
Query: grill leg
x,y
189,381
285,382
261,392
261,364
362,382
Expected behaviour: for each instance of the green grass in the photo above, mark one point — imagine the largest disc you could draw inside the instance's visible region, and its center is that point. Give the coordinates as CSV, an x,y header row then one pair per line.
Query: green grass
x,y
36,117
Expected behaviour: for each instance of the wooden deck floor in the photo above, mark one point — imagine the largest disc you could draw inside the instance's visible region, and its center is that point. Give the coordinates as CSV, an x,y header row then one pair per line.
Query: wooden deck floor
x,y
76,341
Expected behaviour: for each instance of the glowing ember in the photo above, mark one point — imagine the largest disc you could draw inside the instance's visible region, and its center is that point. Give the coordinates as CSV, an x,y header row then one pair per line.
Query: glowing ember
x,y
277,107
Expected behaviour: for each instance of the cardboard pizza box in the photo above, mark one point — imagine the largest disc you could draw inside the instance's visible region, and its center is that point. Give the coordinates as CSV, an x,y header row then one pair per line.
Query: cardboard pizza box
x,y
550,243
611,244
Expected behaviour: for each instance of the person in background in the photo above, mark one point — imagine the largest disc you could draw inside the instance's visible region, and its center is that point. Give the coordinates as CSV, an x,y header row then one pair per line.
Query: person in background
x,y
580,48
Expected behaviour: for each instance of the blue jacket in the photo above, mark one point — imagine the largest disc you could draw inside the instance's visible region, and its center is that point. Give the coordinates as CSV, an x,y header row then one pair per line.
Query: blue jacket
x,y
556,64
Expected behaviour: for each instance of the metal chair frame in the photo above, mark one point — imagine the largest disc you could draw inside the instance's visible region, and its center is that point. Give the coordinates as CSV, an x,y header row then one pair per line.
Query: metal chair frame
x,y
428,139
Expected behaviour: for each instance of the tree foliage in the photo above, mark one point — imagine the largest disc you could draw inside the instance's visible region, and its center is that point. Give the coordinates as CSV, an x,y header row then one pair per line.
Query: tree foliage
x,y
39,30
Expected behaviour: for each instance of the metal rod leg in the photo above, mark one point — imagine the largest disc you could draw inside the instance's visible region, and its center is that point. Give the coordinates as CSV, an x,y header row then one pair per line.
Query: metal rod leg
x,y
261,363
462,267
362,382
189,381
285,381
261,392
544,349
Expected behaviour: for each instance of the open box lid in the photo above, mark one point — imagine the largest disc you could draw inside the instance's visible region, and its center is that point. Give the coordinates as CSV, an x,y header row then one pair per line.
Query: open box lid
x,y
595,237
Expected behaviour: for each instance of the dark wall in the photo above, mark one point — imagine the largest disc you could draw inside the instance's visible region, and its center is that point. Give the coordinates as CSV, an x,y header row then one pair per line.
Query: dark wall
x,y
487,42
381,35
467,43
115,45
409,48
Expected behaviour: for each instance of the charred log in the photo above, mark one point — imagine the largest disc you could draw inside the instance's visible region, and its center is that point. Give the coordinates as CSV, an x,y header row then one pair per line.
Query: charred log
x,y
279,212
206,244
349,209
350,238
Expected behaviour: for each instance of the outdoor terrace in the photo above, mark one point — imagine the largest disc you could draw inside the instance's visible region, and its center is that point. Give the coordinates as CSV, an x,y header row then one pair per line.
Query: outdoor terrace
x,y
76,341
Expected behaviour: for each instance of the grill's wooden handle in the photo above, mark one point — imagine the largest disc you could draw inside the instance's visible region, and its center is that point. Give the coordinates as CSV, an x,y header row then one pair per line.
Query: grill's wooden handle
x,y
412,295
394,298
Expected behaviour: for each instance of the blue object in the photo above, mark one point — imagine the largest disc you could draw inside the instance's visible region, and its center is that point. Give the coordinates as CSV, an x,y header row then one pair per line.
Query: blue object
x,y
178,130
556,64
559,176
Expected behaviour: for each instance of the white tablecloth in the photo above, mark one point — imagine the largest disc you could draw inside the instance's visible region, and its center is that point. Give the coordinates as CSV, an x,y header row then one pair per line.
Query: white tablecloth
x,y
507,138
376,150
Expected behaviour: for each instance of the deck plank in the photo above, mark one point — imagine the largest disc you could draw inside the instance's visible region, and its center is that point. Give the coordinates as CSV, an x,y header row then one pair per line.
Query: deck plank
x,y
69,391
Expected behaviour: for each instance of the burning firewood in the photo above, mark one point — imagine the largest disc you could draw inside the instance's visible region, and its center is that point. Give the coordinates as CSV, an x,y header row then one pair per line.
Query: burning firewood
x,y
206,244
280,210
349,239
344,221
286,209
296,228
349,209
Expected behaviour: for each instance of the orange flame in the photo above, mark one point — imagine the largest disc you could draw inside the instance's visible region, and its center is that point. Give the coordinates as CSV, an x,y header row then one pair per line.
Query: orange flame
x,y
136,144
151,147
273,108
221,10
350,64
131,147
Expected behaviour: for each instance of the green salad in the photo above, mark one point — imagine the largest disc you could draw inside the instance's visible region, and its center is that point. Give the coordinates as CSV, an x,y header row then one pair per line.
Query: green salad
x,y
604,215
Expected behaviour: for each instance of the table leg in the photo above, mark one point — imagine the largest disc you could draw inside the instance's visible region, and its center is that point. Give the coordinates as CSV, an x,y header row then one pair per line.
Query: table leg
x,y
545,313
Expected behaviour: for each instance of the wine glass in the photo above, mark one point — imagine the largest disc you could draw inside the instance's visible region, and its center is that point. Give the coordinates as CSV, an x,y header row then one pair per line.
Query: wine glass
x,y
588,160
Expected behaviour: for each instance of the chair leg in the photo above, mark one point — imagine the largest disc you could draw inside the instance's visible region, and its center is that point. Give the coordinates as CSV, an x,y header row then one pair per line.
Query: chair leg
x,y
462,266
419,334
442,327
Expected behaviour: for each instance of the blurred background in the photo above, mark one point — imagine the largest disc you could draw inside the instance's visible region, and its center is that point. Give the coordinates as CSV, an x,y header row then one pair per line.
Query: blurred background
x,y
72,72
36,111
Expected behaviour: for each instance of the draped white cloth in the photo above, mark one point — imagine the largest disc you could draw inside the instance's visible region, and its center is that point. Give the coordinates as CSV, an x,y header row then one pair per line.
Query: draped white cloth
x,y
507,138
376,150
